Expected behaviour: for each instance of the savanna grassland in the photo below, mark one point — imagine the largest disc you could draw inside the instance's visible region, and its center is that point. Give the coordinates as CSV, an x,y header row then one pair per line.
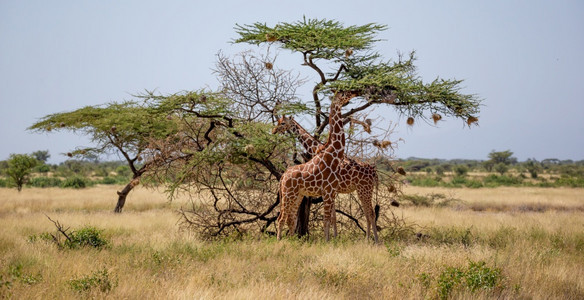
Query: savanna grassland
x,y
506,242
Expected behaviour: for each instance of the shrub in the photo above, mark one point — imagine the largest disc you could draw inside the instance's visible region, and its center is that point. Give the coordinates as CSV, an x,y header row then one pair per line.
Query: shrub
x,y
99,279
461,170
123,171
479,276
473,184
108,180
75,182
448,280
495,180
86,237
3,182
44,168
426,181
44,182
476,276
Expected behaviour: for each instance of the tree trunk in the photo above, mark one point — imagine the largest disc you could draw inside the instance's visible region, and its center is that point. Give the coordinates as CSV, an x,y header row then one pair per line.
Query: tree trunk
x,y
124,193
303,217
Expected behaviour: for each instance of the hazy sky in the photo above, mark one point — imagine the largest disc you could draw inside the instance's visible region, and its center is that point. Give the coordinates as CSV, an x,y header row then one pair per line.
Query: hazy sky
x,y
524,58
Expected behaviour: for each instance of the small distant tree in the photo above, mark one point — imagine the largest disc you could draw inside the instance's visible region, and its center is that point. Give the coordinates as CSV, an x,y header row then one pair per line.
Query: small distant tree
x,y
501,168
488,165
19,168
440,170
504,157
461,170
41,155
533,167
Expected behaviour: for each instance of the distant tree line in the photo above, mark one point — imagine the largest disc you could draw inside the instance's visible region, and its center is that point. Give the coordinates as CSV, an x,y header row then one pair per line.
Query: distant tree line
x,y
21,170
501,168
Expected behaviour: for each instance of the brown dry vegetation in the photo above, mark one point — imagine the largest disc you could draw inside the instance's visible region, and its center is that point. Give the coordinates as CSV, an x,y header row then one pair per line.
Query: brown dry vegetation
x,y
539,252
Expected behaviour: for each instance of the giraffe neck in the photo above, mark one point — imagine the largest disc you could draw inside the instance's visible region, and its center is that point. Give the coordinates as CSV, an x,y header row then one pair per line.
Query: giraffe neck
x,y
336,138
308,141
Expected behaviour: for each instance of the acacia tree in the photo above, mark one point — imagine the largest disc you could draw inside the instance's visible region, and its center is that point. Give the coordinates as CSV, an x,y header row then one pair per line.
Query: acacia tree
x,y
343,59
122,128
19,168
224,151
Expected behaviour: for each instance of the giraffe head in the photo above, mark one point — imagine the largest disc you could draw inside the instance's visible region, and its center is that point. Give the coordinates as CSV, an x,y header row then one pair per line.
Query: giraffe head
x,y
284,123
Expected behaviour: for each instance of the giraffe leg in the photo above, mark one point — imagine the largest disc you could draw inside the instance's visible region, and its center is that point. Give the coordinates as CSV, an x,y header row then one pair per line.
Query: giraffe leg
x,y
365,195
280,221
328,210
334,219
292,215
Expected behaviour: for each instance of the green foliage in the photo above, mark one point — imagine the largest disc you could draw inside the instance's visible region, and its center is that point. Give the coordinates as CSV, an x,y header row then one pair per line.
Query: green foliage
x,y
448,280
42,168
113,180
86,237
100,280
75,182
16,270
476,276
502,157
361,70
461,170
495,180
44,182
19,169
501,168
480,276
123,171
533,167
326,39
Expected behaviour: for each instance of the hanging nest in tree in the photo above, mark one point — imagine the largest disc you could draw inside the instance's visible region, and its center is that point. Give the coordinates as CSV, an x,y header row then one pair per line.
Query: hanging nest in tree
x,y
269,65
410,121
382,144
348,52
114,129
62,125
436,118
401,171
471,120
69,154
270,37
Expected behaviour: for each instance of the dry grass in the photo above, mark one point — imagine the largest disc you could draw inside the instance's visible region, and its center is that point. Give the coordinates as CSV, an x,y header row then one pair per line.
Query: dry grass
x,y
539,252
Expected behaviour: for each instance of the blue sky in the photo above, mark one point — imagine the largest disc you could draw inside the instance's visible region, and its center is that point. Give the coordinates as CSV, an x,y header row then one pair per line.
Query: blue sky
x,y
524,58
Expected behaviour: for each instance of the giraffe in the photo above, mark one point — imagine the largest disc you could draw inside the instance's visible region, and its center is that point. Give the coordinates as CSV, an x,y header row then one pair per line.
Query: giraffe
x,y
355,175
317,177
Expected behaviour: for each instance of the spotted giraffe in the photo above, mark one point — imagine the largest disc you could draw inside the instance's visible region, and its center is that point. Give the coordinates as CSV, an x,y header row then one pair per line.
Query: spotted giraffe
x,y
319,177
355,175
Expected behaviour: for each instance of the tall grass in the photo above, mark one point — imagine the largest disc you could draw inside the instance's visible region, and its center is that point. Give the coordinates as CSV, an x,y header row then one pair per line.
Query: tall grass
x,y
460,252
